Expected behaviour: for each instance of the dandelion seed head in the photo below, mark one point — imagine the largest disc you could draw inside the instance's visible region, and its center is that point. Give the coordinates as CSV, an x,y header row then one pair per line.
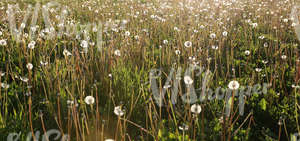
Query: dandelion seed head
x,y
196,108
233,85
89,100
84,44
4,85
177,52
23,25
264,61
254,25
214,47
188,44
29,66
165,42
67,53
117,52
225,33
258,69
118,111
3,42
127,33
266,44
212,35
188,80
31,45
247,52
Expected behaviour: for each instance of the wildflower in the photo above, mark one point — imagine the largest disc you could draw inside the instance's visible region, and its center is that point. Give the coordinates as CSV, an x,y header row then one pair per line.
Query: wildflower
x,y
117,52
261,37
84,44
283,57
67,53
188,44
247,52
92,43
225,33
2,73
264,61
167,86
127,33
1,33
4,85
233,85
33,28
214,47
254,25
295,86
285,20
177,52
25,35
3,43
70,102
89,100
124,21
95,29
192,58
221,120
258,69
23,25
208,59
196,108
43,63
184,127
24,79
165,42
212,35
176,28
279,123
31,45
29,66
118,111
136,37
28,93
266,44
188,80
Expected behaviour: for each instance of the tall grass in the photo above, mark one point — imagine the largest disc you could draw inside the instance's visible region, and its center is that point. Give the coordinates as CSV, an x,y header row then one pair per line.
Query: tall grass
x,y
252,42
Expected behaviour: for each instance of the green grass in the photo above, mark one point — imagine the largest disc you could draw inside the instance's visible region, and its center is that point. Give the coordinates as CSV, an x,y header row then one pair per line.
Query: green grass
x,y
43,102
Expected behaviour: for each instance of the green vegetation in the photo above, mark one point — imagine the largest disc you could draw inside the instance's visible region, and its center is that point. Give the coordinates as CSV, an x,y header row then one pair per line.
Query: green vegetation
x,y
46,82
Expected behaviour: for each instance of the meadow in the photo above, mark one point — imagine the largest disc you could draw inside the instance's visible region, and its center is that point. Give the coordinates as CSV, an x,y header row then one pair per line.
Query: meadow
x,y
145,70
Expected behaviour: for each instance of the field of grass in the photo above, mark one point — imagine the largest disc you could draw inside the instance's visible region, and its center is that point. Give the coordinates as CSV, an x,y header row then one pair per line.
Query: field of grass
x,y
143,70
